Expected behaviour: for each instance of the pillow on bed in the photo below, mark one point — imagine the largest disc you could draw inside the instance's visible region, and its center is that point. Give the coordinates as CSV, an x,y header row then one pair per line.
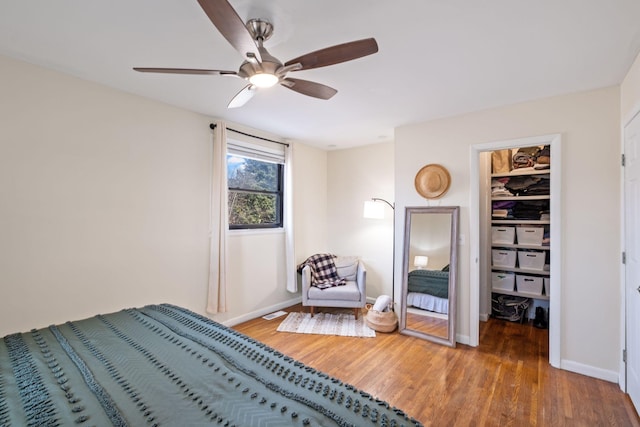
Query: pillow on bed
x,y
347,267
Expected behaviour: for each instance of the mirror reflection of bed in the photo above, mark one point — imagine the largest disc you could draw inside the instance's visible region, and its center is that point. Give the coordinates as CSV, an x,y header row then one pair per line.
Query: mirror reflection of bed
x,y
428,304
428,297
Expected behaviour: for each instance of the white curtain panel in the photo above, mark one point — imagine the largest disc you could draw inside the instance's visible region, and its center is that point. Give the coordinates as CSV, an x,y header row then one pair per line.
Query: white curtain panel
x,y
217,289
290,255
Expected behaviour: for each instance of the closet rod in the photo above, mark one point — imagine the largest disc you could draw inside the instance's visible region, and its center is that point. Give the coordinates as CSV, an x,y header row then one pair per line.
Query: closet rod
x,y
213,126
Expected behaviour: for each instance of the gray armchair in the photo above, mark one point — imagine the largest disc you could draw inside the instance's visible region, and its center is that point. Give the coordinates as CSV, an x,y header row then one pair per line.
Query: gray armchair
x,y
352,295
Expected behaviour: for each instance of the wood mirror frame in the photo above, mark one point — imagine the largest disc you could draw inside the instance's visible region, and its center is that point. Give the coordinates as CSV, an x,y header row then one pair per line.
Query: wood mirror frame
x,y
430,232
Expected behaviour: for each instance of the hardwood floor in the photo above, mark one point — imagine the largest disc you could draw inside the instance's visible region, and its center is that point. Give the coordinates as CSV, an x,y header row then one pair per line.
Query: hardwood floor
x,y
427,324
506,381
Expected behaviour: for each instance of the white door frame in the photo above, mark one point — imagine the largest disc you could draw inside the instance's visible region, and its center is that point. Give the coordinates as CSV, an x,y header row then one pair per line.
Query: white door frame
x,y
555,327
623,238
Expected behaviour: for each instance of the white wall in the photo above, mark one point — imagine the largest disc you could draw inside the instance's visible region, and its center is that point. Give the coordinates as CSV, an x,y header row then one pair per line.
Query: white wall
x,y
310,201
256,278
590,126
431,236
104,204
354,176
630,92
104,200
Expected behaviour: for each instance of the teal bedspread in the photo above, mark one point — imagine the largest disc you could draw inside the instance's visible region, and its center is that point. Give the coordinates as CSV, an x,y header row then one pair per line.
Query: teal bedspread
x,y
164,365
432,282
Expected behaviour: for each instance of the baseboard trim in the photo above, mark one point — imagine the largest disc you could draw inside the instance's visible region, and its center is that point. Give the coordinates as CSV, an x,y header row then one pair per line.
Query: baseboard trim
x,y
261,312
463,339
590,371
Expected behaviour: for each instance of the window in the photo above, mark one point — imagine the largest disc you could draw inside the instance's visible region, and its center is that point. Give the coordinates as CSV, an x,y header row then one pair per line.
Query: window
x,y
255,184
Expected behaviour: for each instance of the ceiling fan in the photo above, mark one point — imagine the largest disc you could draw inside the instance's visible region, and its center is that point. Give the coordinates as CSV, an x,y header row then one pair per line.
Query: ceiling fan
x,y
260,68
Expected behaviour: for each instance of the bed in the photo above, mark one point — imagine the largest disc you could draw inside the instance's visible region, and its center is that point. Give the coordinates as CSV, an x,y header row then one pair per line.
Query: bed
x,y
428,290
165,365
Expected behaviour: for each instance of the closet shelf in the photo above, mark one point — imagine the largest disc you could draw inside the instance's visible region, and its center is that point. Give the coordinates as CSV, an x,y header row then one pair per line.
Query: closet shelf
x,y
520,294
522,270
520,198
517,246
519,221
517,172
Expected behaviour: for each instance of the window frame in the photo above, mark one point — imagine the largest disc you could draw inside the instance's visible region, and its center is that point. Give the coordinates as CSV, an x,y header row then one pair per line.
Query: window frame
x,y
278,193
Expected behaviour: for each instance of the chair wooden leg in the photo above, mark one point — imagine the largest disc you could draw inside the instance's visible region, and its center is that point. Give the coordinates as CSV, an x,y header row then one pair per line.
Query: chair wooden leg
x,y
311,310
355,310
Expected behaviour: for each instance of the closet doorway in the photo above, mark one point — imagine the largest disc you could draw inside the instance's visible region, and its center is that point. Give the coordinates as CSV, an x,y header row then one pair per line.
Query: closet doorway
x,y
480,236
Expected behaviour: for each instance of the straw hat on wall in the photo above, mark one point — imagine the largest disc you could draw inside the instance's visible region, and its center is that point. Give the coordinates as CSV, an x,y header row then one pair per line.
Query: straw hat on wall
x,y
432,181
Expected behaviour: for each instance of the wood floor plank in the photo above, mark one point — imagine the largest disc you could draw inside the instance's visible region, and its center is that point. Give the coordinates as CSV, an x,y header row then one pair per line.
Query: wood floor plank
x,y
506,381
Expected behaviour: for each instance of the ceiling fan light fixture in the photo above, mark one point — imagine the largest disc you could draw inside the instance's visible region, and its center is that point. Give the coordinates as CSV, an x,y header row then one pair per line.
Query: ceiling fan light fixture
x,y
264,79
259,67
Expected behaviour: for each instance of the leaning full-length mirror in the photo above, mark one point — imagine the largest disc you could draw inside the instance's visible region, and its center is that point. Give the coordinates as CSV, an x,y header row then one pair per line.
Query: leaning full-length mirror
x,y
428,306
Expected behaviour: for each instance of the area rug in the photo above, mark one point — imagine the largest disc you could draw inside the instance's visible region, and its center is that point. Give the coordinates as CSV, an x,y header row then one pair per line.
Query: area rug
x,y
326,324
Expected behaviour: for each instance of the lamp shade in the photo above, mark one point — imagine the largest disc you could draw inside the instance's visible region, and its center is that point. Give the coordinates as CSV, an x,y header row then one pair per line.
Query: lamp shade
x,y
373,210
420,261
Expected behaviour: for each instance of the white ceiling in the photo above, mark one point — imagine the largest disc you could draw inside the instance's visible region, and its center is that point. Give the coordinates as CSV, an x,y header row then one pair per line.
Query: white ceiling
x,y
437,58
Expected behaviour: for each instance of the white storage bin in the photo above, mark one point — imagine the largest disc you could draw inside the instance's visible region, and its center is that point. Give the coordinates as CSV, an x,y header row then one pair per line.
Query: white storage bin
x,y
531,260
530,235
529,284
503,258
504,235
503,281
547,284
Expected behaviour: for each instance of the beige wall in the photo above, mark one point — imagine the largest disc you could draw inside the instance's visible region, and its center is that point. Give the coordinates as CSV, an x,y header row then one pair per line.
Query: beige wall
x,y
256,277
589,123
104,204
310,201
356,175
630,92
104,199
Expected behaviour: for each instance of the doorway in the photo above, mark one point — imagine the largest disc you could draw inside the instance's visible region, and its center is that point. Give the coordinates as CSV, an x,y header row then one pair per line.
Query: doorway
x,y
478,241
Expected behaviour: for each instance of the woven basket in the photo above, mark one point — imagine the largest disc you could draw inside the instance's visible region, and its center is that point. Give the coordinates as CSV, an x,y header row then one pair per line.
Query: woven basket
x,y
381,321
366,309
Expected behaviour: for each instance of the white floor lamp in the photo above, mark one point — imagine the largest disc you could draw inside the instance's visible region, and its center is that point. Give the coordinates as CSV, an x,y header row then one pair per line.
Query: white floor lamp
x,y
375,210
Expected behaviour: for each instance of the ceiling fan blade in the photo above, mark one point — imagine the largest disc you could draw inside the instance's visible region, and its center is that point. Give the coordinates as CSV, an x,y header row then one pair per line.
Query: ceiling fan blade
x,y
231,26
186,71
336,54
308,88
243,96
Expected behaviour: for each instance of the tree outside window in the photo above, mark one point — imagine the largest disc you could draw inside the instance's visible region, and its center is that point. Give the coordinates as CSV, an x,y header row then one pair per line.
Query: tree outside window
x,y
255,193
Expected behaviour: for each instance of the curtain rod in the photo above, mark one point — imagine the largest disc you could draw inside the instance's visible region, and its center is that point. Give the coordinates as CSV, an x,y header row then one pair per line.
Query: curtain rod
x,y
213,126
